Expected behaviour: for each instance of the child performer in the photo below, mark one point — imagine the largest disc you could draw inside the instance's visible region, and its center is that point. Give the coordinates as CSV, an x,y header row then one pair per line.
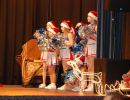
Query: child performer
x,y
68,36
91,44
42,46
79,63
51,58
88,36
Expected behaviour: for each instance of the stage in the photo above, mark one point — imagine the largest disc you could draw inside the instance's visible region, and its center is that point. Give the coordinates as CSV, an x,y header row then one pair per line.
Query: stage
x,y
17,92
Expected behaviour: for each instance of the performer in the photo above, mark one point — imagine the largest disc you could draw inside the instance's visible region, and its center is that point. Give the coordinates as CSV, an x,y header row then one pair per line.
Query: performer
x,y
79,63
49,58
43,46
87,35
68,41
91,43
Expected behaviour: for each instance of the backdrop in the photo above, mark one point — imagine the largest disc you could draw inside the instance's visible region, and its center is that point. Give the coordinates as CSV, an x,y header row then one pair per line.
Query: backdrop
x,y
20,18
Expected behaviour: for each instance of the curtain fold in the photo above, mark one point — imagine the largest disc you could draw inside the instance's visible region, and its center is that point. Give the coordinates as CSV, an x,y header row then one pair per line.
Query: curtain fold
x,y
109,43
20,18
16,21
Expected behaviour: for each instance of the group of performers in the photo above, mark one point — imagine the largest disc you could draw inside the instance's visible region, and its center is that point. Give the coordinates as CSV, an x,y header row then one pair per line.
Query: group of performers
x,y
77,44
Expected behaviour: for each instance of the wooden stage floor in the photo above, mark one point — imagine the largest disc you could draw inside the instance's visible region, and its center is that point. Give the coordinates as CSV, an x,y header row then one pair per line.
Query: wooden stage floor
x,y
18,90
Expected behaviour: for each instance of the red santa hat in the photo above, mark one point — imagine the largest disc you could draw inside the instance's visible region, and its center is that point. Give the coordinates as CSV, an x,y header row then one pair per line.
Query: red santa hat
x,y
54,30
52,24
79,24
67,24
80,59
93,14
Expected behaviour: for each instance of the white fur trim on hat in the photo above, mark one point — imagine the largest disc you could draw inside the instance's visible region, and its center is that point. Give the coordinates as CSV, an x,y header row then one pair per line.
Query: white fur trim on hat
x,y
51,24
92,15
65,25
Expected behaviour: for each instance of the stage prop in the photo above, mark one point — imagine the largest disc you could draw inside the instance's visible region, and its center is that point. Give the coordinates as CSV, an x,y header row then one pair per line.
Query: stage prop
x,y
29,61
112,71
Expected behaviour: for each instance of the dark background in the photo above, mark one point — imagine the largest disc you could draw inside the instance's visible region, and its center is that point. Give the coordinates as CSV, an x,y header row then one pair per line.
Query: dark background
x,y
20,18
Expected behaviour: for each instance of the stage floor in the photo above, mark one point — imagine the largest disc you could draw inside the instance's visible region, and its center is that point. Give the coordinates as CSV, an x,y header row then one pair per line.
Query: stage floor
x,y
18,90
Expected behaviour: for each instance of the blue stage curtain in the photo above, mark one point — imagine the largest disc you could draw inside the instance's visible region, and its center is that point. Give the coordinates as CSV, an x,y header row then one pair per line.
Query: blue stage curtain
x,y
109,40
